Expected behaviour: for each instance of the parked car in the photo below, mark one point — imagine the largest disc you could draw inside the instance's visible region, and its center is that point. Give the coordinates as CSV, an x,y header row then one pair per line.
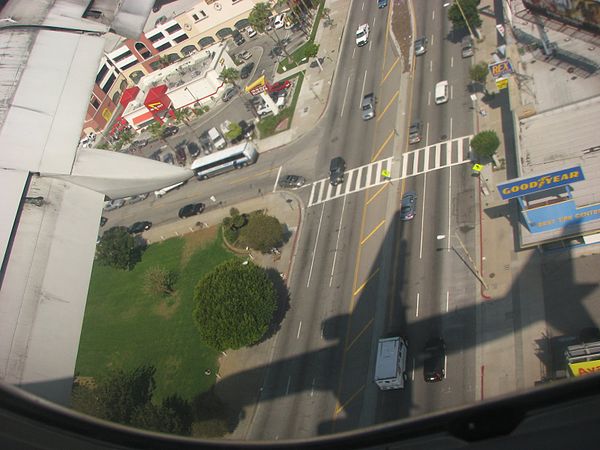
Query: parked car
x,y
250,31
193,149
362,35
156,155
408,207
180,154
245,55
279,86
247,128
229,93
368,106
264,110
279,21
205,143
467,47
170,131
139,227
137,198
191,210
420,46
435,359
382,3
292,181
225,126
111,205
246,70
414,132
337,167
168,158
238,38
140,143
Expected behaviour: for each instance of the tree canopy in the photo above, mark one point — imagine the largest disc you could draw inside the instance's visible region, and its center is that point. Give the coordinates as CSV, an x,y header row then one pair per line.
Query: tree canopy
x,y
117,249
262,232
234,305
469,9
485,143
479,72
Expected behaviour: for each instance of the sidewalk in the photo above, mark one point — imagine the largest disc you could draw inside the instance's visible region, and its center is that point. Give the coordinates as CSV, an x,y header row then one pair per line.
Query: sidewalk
x,y
510,311
314,93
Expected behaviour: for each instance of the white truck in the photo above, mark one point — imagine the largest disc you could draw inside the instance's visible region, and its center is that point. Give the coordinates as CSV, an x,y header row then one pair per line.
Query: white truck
x,y
390,368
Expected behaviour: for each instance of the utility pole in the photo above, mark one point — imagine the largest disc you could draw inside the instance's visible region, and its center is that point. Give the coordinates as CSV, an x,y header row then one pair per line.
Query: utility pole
x,y
462,13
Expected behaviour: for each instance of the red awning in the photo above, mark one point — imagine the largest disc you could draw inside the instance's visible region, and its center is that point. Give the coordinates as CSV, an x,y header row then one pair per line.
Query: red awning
x,y
128,95
156,93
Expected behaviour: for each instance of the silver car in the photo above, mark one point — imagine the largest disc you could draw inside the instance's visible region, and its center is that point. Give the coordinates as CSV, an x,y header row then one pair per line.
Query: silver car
x,y
467,47
408,208
420,46
368,106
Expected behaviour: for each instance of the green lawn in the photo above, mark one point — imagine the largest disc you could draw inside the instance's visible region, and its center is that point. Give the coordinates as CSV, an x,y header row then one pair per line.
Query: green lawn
x,y
124,327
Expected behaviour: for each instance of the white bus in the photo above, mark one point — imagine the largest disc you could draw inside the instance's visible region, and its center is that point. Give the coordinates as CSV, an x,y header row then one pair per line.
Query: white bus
x,y
235,157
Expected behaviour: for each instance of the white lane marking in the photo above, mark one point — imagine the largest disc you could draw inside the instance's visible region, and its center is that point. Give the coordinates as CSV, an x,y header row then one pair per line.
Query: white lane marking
x,y
447,300
363,7
431,65
451,92
449,193
277,179
423,215
337,241
417,311
312,389
299,328
412,377
374,21
362,93
312,262
287,389
370,44
432,37
345,95
433,15
353,52
427,135
445,366
429,98
450,128
452,61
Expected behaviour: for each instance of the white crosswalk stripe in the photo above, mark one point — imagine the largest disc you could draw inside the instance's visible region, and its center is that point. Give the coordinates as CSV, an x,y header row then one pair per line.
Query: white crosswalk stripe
x,y
416,162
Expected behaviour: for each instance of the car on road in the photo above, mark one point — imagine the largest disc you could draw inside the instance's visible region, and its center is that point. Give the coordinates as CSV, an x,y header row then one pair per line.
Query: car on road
x,y
170,131
279,21
467,47
408,206
229,93
139,227
291,181
368,106
245,55
279,86
414,132
435,360
191,210
382,3
337,167
250,31
246,70
420,46
362,35
111,205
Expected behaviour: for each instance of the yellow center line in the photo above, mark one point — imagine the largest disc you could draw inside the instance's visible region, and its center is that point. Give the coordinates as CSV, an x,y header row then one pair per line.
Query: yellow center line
x,y
242,180
361,287
388,105
377,193
390,70
339,408
382,146
372,232
395,259
359,334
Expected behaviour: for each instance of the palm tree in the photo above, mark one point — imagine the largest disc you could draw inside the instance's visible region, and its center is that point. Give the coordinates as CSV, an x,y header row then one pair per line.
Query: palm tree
x,y
230,75
182,115
156,129
259,19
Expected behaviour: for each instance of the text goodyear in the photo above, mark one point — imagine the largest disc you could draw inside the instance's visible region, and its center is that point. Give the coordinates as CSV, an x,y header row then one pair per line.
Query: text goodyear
x,y
523,186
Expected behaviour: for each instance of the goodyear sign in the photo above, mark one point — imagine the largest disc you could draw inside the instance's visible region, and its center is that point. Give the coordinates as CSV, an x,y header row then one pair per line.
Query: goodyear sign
x,y
501,68
584,368
524,186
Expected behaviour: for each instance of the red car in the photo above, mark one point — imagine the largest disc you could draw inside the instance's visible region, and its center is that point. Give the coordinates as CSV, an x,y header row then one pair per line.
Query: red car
x,y
279,86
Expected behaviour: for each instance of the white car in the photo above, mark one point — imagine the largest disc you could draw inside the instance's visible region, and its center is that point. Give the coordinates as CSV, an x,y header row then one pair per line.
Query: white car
x,y
279,21
362,35
251,31
245,55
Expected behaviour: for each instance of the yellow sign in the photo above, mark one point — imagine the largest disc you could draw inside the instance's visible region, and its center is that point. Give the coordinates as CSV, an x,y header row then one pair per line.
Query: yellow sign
x,y
584,368
260,82
477,167
502,83
106,114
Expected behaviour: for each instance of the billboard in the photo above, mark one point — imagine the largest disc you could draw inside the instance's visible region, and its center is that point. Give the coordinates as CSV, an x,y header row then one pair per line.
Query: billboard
x,y
584,368
580,13
524,186
501,68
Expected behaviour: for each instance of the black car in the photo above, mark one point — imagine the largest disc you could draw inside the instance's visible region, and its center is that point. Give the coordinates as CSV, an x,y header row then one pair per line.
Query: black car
x,y
292,181
229,94
382,3
191,210
170,131
408,208
414,132
156,155
247,128
205,143
337,167
238,38
193,149
180,154
246,70
435,360
139,227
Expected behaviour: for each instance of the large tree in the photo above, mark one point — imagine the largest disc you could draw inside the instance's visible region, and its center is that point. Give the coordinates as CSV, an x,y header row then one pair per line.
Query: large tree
x,y
230,75
234,305
485,143
259,18
465,9
117,248
262,232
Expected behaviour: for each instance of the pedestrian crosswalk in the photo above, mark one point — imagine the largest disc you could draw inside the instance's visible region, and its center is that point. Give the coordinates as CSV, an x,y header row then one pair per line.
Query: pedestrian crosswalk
x,y
416,162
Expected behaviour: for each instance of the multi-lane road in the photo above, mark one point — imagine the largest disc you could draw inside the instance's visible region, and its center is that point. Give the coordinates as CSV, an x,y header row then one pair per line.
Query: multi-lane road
x,y
359,272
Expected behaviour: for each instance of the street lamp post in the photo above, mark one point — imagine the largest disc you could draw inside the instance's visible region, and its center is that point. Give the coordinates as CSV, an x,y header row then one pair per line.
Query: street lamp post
x,y
472,267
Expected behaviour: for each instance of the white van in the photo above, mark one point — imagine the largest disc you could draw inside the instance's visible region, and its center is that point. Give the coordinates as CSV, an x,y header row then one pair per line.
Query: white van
x,y
218,142
441,92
